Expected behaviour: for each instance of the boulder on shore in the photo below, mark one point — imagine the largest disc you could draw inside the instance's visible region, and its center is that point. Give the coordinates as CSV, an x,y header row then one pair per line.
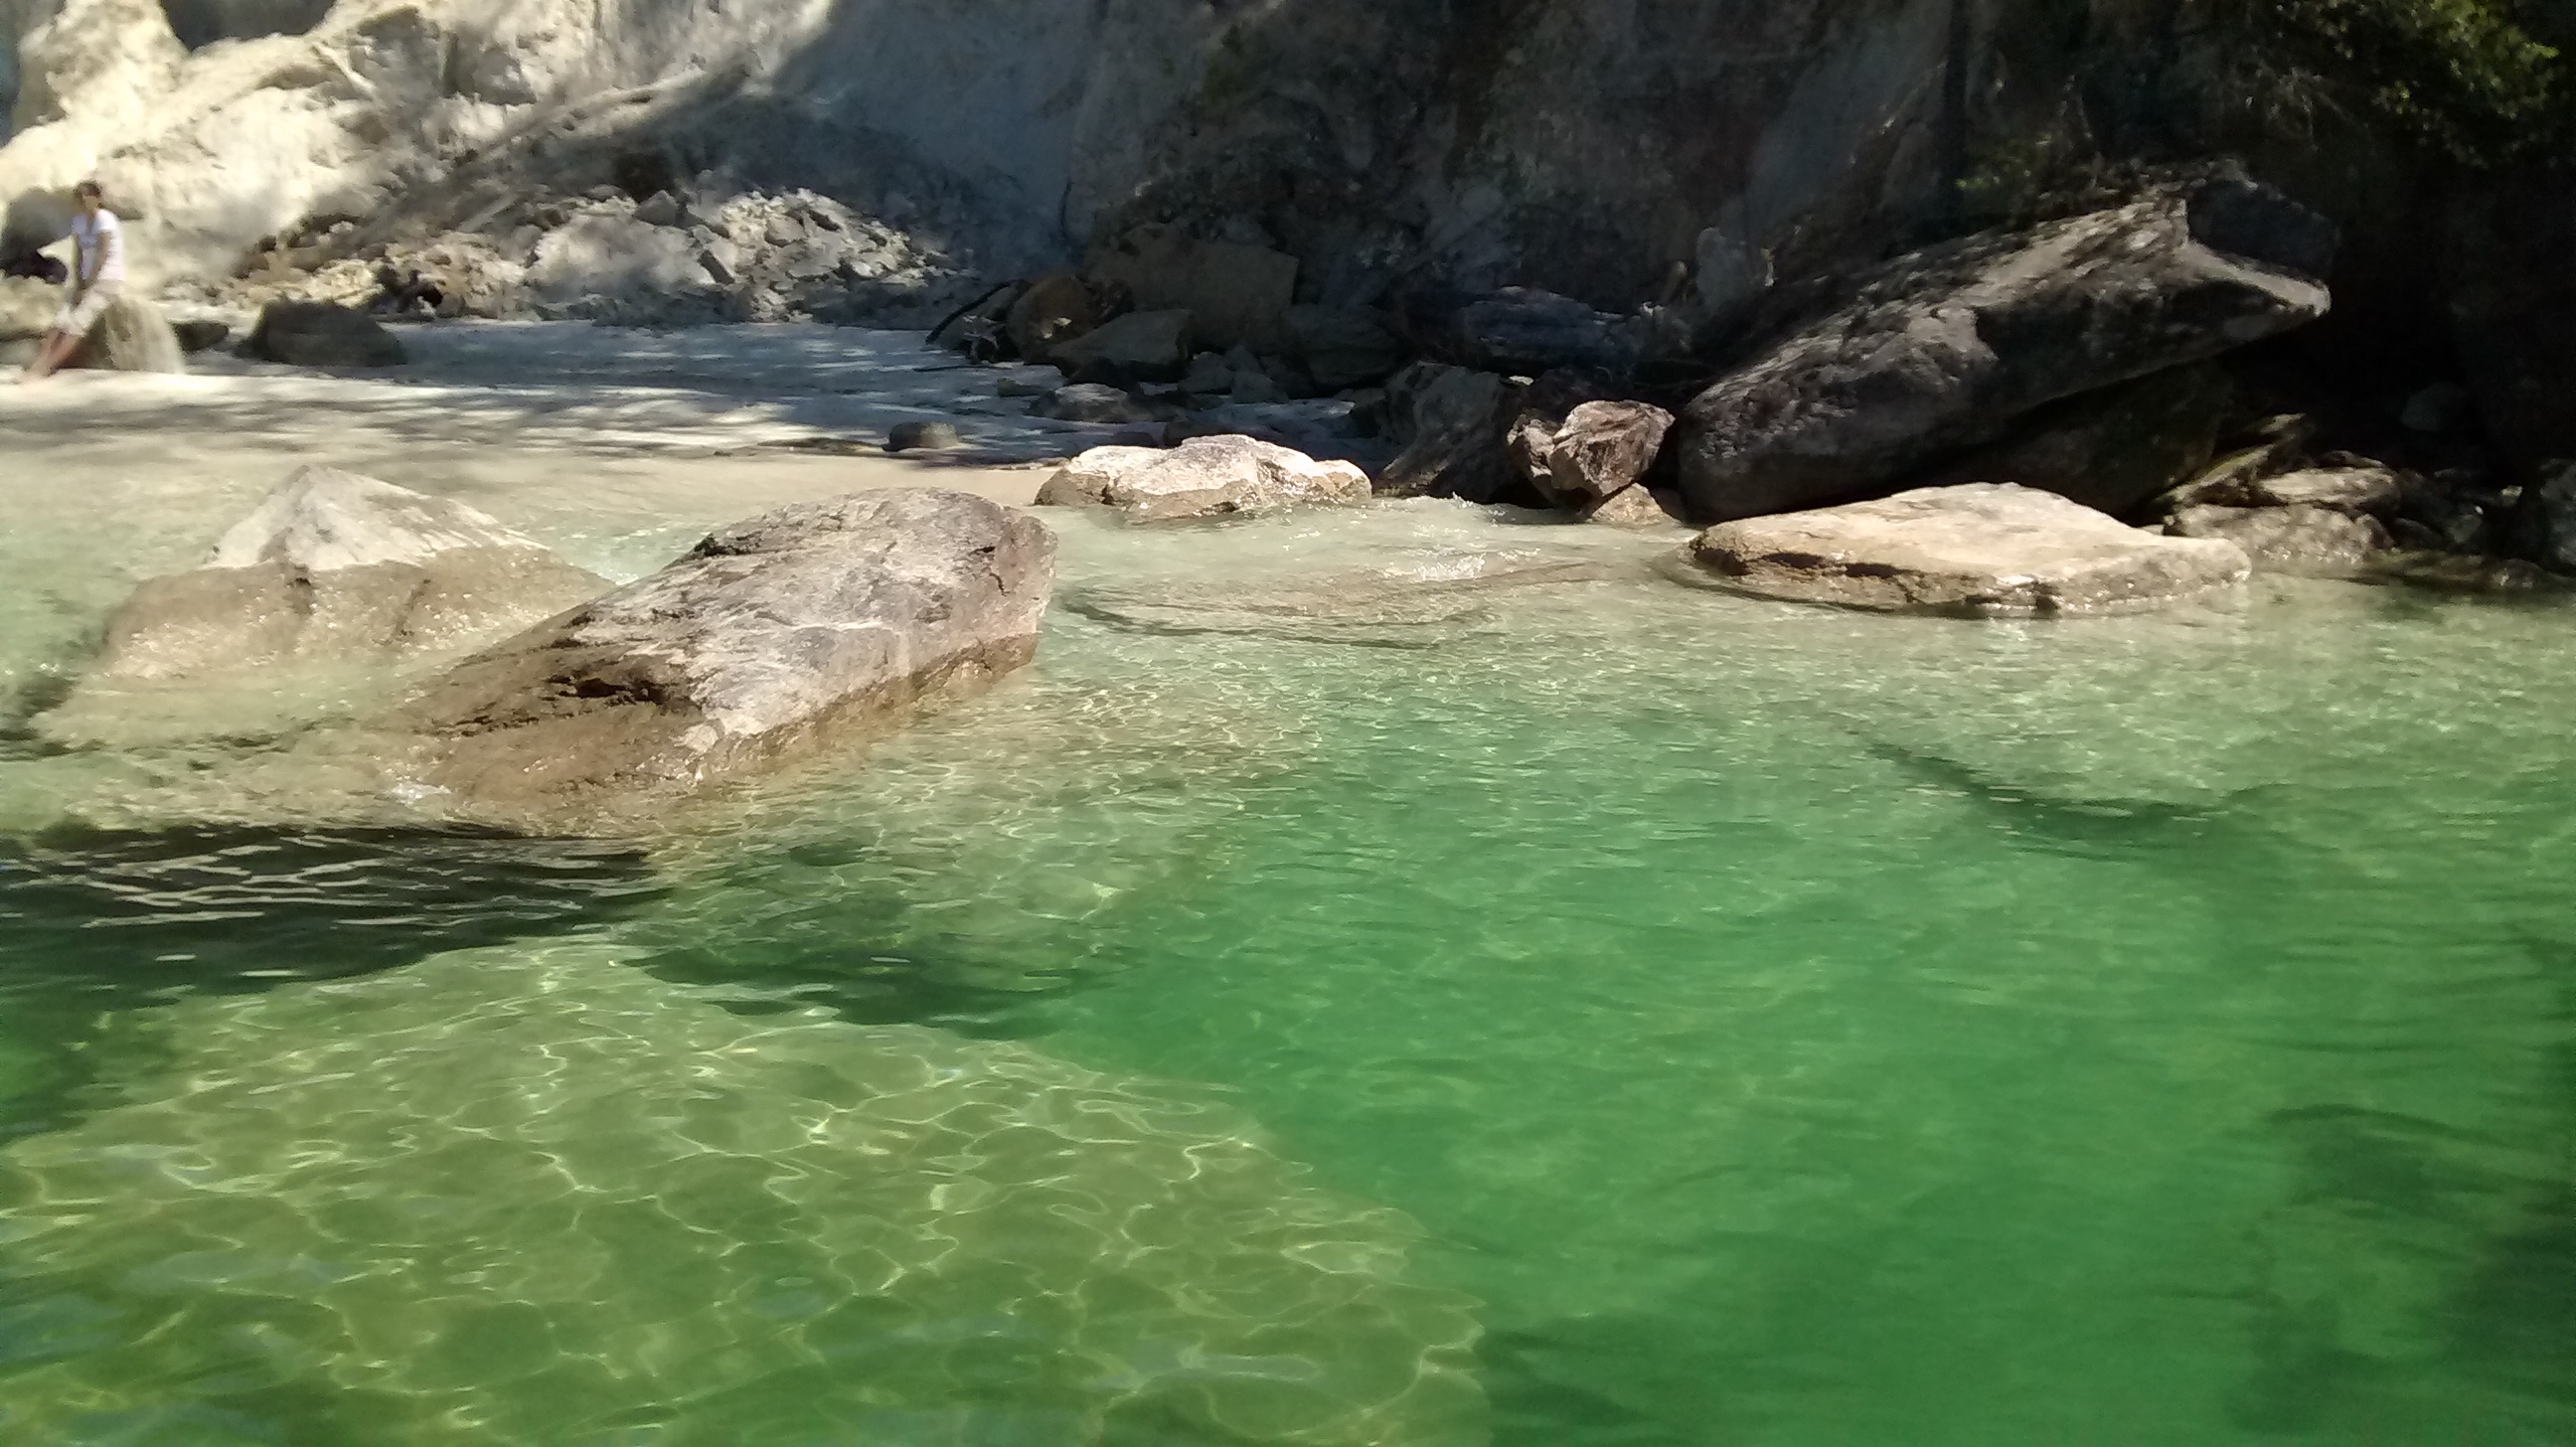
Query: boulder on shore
x,y
1986,549
333,565
1138,347
317,334
1454,424
1600,450
820,620
131,336
1944,348
1203,477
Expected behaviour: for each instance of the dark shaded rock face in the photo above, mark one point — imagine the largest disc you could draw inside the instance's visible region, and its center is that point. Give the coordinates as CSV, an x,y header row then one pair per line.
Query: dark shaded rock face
x,y
1948,347
1978,548
2512,292
827,619
2543,526
1453,423
317,334
2114,450
1520,330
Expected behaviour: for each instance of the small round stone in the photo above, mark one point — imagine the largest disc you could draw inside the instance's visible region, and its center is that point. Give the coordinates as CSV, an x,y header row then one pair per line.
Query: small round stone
x,y
922,437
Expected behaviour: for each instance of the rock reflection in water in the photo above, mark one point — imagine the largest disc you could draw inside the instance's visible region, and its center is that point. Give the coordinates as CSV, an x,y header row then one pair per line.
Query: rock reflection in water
x,y
520,1196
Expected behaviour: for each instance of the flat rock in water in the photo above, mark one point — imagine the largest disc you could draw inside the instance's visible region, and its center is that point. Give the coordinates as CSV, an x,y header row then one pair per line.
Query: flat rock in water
x,y
2305,540
317,334
1203,477
1943,349
1978,548
333,565
2374,490
830,619
1090,402
1636,507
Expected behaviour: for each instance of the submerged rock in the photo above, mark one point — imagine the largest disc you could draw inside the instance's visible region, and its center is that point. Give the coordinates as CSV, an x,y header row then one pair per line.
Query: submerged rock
x,y
2303,539
333,565
681,1213
1096,402
1203,477
1945,348
1978,548
315,334
828,618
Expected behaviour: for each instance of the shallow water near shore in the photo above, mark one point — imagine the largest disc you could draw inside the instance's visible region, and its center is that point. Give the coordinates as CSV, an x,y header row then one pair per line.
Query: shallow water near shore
x,y
1395,977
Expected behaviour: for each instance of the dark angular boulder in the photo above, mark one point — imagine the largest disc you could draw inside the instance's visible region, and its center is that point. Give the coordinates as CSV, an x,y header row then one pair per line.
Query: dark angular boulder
x,y
2113,450
317,334
1945,348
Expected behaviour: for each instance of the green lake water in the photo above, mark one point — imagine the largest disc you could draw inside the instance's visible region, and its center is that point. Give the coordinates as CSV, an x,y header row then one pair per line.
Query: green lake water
x,y
1397,978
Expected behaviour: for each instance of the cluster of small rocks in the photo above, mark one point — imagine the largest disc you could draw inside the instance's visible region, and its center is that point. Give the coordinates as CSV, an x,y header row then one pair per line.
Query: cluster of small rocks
x,y
668,259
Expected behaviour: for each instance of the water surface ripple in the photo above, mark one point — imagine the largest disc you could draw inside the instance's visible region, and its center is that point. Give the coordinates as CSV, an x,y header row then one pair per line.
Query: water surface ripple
x,y
1696,1020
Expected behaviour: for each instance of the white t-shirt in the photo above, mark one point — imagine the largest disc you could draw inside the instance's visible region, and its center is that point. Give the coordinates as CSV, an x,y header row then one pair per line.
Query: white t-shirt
x,y
101,243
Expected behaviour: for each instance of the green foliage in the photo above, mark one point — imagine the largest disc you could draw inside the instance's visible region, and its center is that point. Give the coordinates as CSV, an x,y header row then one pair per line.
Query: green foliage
x,y
2465,77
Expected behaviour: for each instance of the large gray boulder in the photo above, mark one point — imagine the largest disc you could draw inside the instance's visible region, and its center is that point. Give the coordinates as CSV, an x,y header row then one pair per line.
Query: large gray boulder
x,y
823,620
334,566
1204,477
1984,549
131,336
1944,348
318,334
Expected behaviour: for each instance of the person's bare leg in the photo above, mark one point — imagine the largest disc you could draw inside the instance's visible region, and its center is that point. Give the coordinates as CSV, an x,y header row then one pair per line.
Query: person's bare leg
x,y
57,350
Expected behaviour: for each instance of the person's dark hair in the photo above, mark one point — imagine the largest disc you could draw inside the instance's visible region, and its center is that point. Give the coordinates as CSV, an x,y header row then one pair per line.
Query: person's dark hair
x,y
88,189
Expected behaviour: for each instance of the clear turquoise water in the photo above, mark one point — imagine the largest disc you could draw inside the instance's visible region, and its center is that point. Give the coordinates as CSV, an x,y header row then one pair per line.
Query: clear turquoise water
x,y
1335,1000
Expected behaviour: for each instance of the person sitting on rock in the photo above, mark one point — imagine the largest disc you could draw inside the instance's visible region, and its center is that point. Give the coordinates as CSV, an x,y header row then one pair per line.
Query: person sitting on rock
x,y
98,275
